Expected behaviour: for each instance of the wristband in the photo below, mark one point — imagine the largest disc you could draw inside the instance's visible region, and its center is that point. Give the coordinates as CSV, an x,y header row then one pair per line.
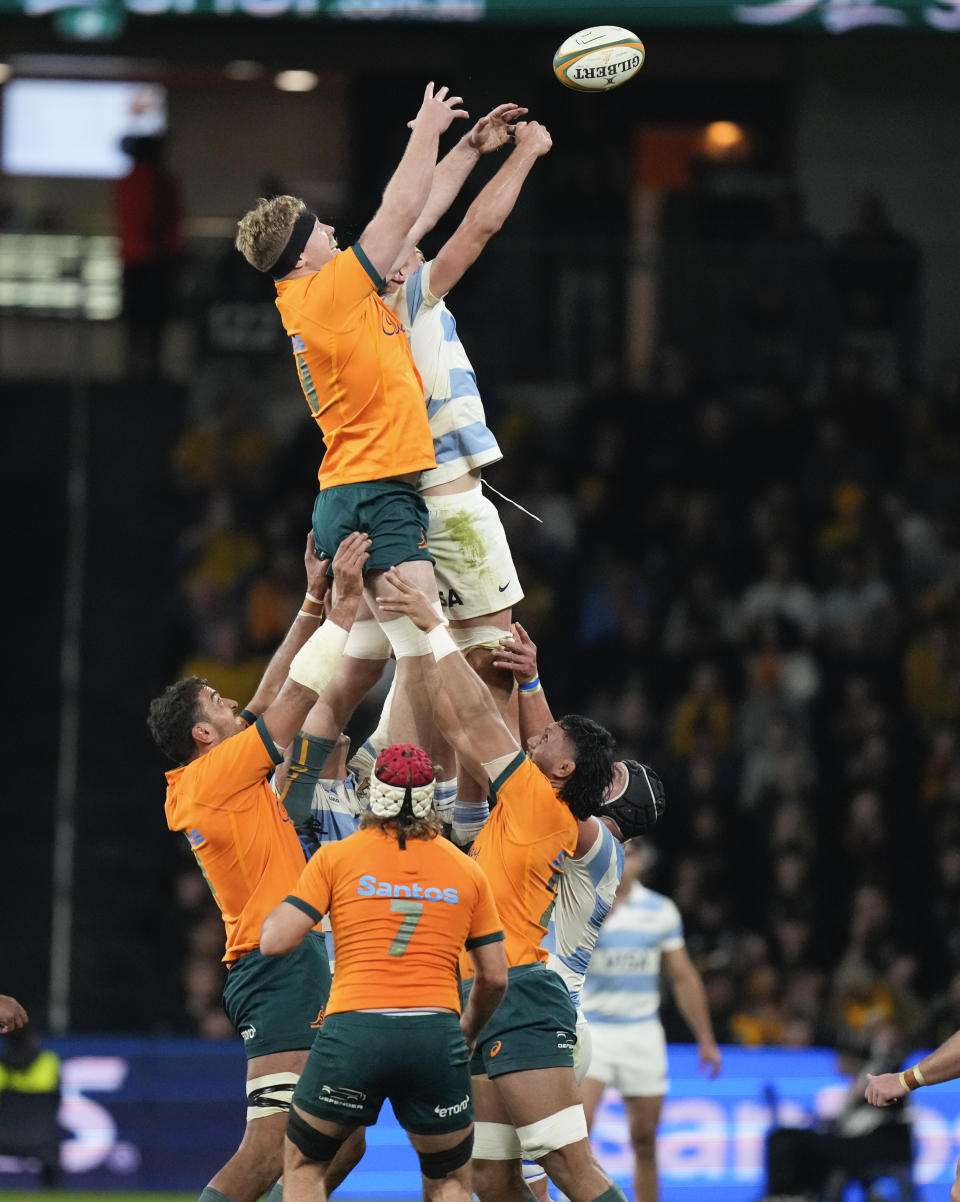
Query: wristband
x,y
903,1082
917,1075
530,686
311,597
305,613
440,641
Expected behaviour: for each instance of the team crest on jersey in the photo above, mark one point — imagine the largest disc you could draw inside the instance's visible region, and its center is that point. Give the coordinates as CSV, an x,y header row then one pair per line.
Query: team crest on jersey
x,y
194,838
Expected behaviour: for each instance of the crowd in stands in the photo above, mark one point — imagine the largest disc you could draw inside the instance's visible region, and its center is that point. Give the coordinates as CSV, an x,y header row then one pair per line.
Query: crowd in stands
x,y
753,579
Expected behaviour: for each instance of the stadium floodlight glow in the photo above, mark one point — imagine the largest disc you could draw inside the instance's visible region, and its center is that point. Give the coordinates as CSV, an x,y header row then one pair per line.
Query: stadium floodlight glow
x,y
725,140
296,81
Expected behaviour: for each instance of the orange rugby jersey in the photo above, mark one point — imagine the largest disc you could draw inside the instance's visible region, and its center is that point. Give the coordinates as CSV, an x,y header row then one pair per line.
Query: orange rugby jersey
x,y
357,373
399,918
521,849
239,830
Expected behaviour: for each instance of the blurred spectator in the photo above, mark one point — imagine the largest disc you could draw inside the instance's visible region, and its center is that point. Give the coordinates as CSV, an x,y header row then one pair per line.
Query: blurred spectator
x,y
780,593
876,278
703,719
148,214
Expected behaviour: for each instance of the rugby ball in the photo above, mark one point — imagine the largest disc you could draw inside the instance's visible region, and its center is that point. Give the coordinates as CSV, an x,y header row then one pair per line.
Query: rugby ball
x,y
598,59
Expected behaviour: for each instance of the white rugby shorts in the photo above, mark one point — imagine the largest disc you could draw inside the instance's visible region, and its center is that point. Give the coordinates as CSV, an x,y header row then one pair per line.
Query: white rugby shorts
x,y
475,571
630,1057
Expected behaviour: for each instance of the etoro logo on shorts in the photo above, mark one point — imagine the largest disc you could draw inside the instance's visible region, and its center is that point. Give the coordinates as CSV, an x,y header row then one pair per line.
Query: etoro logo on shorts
x,y
248,1033
566,1040
339,1095
445,1111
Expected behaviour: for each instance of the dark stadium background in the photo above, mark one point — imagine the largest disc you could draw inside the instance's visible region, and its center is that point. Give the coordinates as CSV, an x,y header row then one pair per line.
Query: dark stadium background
x,y
126,943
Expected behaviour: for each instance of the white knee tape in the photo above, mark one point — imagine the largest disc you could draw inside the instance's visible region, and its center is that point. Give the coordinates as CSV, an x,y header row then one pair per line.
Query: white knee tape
x,y
495,1141
467,637
407,639
367,641
555,1131
315,663
271,1094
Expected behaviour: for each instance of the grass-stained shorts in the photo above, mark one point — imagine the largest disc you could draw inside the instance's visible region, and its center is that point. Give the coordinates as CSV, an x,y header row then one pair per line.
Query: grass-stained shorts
x,y
391,512
535,1026
420,1062
276,1002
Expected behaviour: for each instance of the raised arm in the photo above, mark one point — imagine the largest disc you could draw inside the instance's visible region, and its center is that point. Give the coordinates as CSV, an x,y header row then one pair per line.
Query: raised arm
x,y
491,132
465,711
518,654
490,209
313,666
409,186
305,623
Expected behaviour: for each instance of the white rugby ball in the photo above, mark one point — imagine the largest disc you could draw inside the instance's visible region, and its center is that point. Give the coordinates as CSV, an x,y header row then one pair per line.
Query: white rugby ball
x,y
598,59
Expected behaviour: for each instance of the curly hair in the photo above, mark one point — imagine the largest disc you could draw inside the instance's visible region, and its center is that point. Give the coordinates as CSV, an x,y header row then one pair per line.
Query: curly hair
x,y
593,746
173,716
405,825
265,230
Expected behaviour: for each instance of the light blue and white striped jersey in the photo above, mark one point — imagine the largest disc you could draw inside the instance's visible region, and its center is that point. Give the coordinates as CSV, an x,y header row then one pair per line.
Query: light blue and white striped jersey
x,y
335,812
462,441
623,984
584,897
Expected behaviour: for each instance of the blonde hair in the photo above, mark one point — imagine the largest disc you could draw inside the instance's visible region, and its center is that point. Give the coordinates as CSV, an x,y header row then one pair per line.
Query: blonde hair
x,y
265,230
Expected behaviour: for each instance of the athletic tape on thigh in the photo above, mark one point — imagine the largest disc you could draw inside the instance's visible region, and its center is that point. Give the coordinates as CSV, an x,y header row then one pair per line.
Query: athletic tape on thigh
x,y
467,637
270,1094
495,1141
405,638
314,1144
555,1131
441,1164
366,640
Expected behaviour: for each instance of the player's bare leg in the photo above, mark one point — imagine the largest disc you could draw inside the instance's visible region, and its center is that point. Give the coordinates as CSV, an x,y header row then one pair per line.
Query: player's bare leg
x,y
524,1099
454,1184
258,1161
311,1147
643,1117
411,715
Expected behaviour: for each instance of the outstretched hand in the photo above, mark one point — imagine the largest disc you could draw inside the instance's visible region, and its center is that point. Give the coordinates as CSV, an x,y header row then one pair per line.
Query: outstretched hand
x,y
438,110
496,128
410,600
518,654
